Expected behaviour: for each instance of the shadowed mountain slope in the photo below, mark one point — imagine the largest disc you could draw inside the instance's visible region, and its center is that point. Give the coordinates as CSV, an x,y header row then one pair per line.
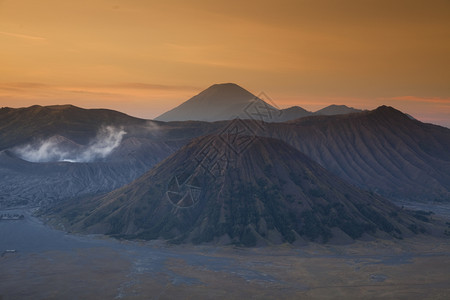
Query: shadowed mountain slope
x,y
238,189
382,150
20,125
39,184
71,154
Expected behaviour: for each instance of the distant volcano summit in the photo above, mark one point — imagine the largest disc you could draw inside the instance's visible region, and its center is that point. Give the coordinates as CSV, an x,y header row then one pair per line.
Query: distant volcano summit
x,y
228,101
218,102
244,190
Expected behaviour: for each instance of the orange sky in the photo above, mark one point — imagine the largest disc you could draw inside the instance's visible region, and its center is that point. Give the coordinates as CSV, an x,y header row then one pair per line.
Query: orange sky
x,y
145,57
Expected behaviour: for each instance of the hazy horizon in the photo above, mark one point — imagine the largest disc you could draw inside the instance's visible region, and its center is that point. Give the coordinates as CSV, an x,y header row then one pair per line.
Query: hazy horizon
x,y
144,58
313,108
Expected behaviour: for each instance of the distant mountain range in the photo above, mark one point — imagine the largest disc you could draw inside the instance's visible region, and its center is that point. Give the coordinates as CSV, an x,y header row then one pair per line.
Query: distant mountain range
x,y
269,193
383,150
228,101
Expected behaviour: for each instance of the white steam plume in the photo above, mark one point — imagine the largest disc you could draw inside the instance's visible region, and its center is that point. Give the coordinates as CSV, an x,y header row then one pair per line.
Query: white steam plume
x,y
58,148
108,138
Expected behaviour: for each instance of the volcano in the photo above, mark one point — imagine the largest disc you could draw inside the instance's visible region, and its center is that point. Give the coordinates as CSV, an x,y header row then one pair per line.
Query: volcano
x,y
237,189
224,101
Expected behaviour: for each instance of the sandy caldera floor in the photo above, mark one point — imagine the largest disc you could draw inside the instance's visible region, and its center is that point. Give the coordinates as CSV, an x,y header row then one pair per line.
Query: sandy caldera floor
x,y
412,269
51,264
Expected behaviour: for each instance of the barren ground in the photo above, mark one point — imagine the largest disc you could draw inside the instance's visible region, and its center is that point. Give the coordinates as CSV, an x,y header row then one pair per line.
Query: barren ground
x,y
51,264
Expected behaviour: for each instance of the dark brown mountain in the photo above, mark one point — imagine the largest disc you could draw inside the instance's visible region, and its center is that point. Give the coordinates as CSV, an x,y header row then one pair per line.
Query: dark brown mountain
x,y
238,189
382,150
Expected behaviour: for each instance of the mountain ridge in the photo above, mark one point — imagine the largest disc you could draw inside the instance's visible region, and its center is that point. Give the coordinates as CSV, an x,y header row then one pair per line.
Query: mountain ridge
x,y
79,124
382,150
334,109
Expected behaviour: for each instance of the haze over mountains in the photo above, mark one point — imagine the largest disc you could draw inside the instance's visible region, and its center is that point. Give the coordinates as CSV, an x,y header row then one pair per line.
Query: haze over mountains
x,y
292,174
228,101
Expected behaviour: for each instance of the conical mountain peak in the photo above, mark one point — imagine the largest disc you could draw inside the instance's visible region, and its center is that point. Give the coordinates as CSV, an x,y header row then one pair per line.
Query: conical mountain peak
x,y
269,193
224,93
218,102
